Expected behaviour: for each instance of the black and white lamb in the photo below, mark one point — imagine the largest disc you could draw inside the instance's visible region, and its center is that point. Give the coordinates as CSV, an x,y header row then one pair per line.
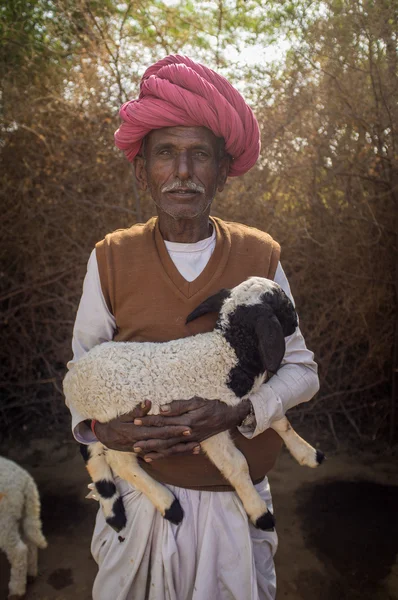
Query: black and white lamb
x,y
229,364
20,525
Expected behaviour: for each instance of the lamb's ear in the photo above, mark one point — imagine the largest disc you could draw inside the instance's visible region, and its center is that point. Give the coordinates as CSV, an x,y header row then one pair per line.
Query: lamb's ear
x,y
283,308
271,342
212,304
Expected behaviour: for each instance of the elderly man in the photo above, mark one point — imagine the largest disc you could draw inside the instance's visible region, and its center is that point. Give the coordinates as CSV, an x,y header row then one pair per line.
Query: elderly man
x,y
186,133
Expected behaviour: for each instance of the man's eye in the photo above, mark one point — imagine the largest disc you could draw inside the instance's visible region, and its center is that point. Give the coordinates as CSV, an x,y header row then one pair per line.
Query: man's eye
x,y
164,152
201,154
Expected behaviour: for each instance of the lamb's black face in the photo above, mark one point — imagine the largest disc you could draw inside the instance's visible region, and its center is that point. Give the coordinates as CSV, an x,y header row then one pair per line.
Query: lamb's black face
x,y
242,336
257,334
254,317
283,309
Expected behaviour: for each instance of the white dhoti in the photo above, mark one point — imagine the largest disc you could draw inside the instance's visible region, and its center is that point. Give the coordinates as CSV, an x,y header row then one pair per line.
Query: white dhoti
x,y
214,554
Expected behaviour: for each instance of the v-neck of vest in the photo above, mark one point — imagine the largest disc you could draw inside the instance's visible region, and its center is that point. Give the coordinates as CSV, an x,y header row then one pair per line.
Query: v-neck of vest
x,y
213,269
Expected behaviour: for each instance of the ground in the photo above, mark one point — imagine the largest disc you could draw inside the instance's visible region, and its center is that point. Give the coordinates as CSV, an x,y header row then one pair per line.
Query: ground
x,y
337,525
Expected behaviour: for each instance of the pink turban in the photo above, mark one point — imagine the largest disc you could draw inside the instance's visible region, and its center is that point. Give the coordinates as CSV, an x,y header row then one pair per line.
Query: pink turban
x,y
176,91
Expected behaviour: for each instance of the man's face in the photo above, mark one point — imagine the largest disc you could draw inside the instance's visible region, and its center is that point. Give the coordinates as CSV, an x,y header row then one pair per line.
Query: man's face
x,y
183,169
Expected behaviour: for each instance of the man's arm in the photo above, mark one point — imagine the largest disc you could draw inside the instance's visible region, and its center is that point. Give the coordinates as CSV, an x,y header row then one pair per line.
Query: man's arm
x,y
94,324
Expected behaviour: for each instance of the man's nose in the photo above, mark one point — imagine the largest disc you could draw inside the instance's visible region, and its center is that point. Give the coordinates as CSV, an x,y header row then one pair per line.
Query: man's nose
x,y
183,166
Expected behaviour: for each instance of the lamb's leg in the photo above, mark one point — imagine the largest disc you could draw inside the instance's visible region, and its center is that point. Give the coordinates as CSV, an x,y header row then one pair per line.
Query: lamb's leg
x,y
125,464
17,554
31,523
95,456
232,464
32,560
304,453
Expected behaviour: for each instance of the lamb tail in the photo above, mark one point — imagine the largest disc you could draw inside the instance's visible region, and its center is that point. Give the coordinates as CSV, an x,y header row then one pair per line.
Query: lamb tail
x,y
31,522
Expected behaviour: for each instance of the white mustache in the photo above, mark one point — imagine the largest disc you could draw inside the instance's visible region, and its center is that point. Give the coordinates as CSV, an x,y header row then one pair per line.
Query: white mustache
x,y
195,187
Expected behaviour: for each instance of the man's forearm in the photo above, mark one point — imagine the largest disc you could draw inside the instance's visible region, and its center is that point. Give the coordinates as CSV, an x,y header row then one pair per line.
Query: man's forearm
x,y
292,385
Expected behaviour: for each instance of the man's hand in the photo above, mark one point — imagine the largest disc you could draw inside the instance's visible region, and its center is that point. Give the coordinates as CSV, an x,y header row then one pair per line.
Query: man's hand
x,y
201,419
122,434
177,430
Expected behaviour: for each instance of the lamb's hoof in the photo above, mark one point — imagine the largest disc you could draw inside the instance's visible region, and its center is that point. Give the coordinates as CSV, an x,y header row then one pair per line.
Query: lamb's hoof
x,y
266,522
174,513
118,521
30,579
320,457
16,597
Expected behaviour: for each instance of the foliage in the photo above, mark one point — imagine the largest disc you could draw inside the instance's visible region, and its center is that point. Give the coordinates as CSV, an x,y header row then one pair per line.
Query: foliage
x,y
325,186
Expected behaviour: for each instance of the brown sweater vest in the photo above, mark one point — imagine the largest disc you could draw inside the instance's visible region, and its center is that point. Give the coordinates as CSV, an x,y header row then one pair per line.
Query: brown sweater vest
x,y
150,301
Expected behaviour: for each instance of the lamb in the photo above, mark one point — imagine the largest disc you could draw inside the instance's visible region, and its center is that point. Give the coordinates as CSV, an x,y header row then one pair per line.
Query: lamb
x,y
229,364
20,525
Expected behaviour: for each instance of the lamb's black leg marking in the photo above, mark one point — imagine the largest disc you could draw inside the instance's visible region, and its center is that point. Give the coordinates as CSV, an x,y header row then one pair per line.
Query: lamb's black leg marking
x,y
320,457
174,513
105,488
118,521
266,522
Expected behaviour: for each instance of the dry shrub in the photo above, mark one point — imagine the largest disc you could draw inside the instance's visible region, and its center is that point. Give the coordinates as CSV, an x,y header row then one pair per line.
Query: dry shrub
x,y
64,187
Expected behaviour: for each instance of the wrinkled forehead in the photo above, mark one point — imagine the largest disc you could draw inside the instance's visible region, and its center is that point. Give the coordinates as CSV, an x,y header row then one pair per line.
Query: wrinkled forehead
x,y
182,136
248,293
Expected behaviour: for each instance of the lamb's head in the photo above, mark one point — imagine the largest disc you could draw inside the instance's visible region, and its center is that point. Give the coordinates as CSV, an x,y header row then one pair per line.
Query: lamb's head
x,y
254,317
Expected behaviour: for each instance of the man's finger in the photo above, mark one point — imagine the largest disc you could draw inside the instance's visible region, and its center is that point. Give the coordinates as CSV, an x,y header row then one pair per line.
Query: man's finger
x,y
142,433
179,407
161,421
157,445
139,411
176,449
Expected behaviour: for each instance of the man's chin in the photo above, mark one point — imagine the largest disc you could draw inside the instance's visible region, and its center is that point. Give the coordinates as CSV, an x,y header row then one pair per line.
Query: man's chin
x,y
185,212
184,216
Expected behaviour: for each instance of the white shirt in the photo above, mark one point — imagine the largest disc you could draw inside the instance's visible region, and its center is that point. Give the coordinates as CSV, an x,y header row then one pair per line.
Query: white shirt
x,y
296,380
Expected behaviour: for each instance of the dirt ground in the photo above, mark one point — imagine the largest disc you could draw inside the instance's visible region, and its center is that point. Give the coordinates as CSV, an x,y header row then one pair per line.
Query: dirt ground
x,y
337,526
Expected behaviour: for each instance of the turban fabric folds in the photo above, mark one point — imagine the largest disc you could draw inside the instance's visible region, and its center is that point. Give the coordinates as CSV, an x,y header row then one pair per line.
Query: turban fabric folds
x,y
177,91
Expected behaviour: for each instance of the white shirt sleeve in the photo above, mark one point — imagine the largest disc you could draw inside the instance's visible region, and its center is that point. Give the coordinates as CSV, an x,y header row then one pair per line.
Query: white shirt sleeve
x,y
296,380
94,324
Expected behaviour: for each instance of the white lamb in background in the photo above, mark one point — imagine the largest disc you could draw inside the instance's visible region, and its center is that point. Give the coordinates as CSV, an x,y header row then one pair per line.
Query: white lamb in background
x,y
20,524
229,364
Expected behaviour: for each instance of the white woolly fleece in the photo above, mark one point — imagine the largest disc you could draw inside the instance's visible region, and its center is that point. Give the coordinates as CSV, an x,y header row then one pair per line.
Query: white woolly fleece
x,y
114,377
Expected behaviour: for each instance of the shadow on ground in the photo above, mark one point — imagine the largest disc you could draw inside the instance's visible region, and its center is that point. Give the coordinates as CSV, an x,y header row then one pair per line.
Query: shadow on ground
x,y
352,526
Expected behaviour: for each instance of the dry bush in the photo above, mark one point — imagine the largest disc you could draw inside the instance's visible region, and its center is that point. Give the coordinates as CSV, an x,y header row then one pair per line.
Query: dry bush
x,y
64,187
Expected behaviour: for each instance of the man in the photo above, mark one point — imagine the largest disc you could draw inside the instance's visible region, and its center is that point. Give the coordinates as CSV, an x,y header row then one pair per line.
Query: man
x,y
186,133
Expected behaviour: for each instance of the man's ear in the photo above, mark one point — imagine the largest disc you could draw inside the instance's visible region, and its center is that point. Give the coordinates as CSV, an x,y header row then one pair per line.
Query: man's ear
x,y
271,342
211,304
140,172
223,170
